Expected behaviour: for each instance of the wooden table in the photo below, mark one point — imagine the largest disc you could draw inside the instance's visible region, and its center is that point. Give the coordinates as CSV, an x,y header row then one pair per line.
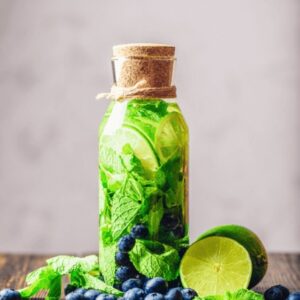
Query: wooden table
x,y
283,269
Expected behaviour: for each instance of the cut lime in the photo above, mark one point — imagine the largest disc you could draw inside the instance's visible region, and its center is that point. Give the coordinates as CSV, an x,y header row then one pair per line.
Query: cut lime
x,y
171,136
215,265
250,241
139,144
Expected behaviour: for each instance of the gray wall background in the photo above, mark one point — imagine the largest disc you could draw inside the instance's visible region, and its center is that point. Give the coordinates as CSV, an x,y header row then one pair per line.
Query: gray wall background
x,y
237,74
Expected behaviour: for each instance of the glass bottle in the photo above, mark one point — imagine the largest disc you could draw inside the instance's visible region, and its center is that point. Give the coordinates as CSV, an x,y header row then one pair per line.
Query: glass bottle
x,y
143,167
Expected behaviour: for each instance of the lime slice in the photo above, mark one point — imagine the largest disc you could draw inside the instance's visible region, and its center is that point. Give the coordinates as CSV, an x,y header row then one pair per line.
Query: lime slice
x,y
171,136
138,143
215,265
250,241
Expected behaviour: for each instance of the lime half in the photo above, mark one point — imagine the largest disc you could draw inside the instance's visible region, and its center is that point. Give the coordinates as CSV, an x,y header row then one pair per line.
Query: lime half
x,y
171,136
216,265
250,241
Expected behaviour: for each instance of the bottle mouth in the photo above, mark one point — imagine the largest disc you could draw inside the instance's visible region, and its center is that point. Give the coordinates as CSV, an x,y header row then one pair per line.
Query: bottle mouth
x,y
156,71
144,69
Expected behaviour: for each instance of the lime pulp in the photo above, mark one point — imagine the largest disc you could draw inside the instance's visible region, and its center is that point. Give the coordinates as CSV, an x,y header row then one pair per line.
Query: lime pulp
x,y
216,265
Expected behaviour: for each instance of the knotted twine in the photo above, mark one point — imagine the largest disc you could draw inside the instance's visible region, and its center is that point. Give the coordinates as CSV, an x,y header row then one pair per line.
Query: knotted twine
x,y
139,90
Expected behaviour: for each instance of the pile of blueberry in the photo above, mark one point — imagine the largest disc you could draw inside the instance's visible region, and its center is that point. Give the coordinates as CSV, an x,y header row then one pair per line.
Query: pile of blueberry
x,y
152,289
135,289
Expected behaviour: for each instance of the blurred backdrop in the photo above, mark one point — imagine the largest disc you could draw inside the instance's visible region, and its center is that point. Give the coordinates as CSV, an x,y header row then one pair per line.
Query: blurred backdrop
x,y
238,80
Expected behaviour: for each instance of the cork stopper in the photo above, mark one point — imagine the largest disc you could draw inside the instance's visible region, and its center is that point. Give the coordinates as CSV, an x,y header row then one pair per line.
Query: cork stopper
x,y
148,66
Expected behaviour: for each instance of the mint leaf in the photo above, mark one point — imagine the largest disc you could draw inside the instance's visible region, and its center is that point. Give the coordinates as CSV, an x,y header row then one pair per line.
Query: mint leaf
x,y
146,115
38,273
241,294
131,162
154,259
66,264
132,188
54,289
244,294
38,280
155,215
88,281
109,160
126,205
124,212
107,263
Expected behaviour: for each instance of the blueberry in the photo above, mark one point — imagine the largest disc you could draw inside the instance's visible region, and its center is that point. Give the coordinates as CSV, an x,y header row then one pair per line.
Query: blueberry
x,y
131,283
122,259
179,231
134,294
126,243
118,286
170,221
139,231
106,297
156,285
276,292
188,294
74,296
91,294
154,296
80,291
69,288
182,252
294,296
9,294
123,273
178,288
141,277
175,283
174,294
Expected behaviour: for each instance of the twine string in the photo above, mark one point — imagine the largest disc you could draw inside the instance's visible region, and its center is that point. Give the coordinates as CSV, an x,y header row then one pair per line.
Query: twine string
x,y
138,90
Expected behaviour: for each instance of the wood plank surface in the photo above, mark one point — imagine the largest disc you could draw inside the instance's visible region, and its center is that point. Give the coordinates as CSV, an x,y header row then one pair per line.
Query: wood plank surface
x,y
283,269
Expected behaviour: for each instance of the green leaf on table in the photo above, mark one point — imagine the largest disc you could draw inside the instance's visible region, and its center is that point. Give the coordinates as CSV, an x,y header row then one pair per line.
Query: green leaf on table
x,y
54,289
154,259
40,279
38,273
66,264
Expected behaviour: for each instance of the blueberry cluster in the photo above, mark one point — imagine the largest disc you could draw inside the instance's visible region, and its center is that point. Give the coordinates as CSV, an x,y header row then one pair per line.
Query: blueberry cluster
x,y
73,293
279,292
125,268
135,289
154,289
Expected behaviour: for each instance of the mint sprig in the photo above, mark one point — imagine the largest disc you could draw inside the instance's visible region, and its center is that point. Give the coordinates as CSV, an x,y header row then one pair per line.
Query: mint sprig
x,y
154,259
80,270
63,264
241,294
